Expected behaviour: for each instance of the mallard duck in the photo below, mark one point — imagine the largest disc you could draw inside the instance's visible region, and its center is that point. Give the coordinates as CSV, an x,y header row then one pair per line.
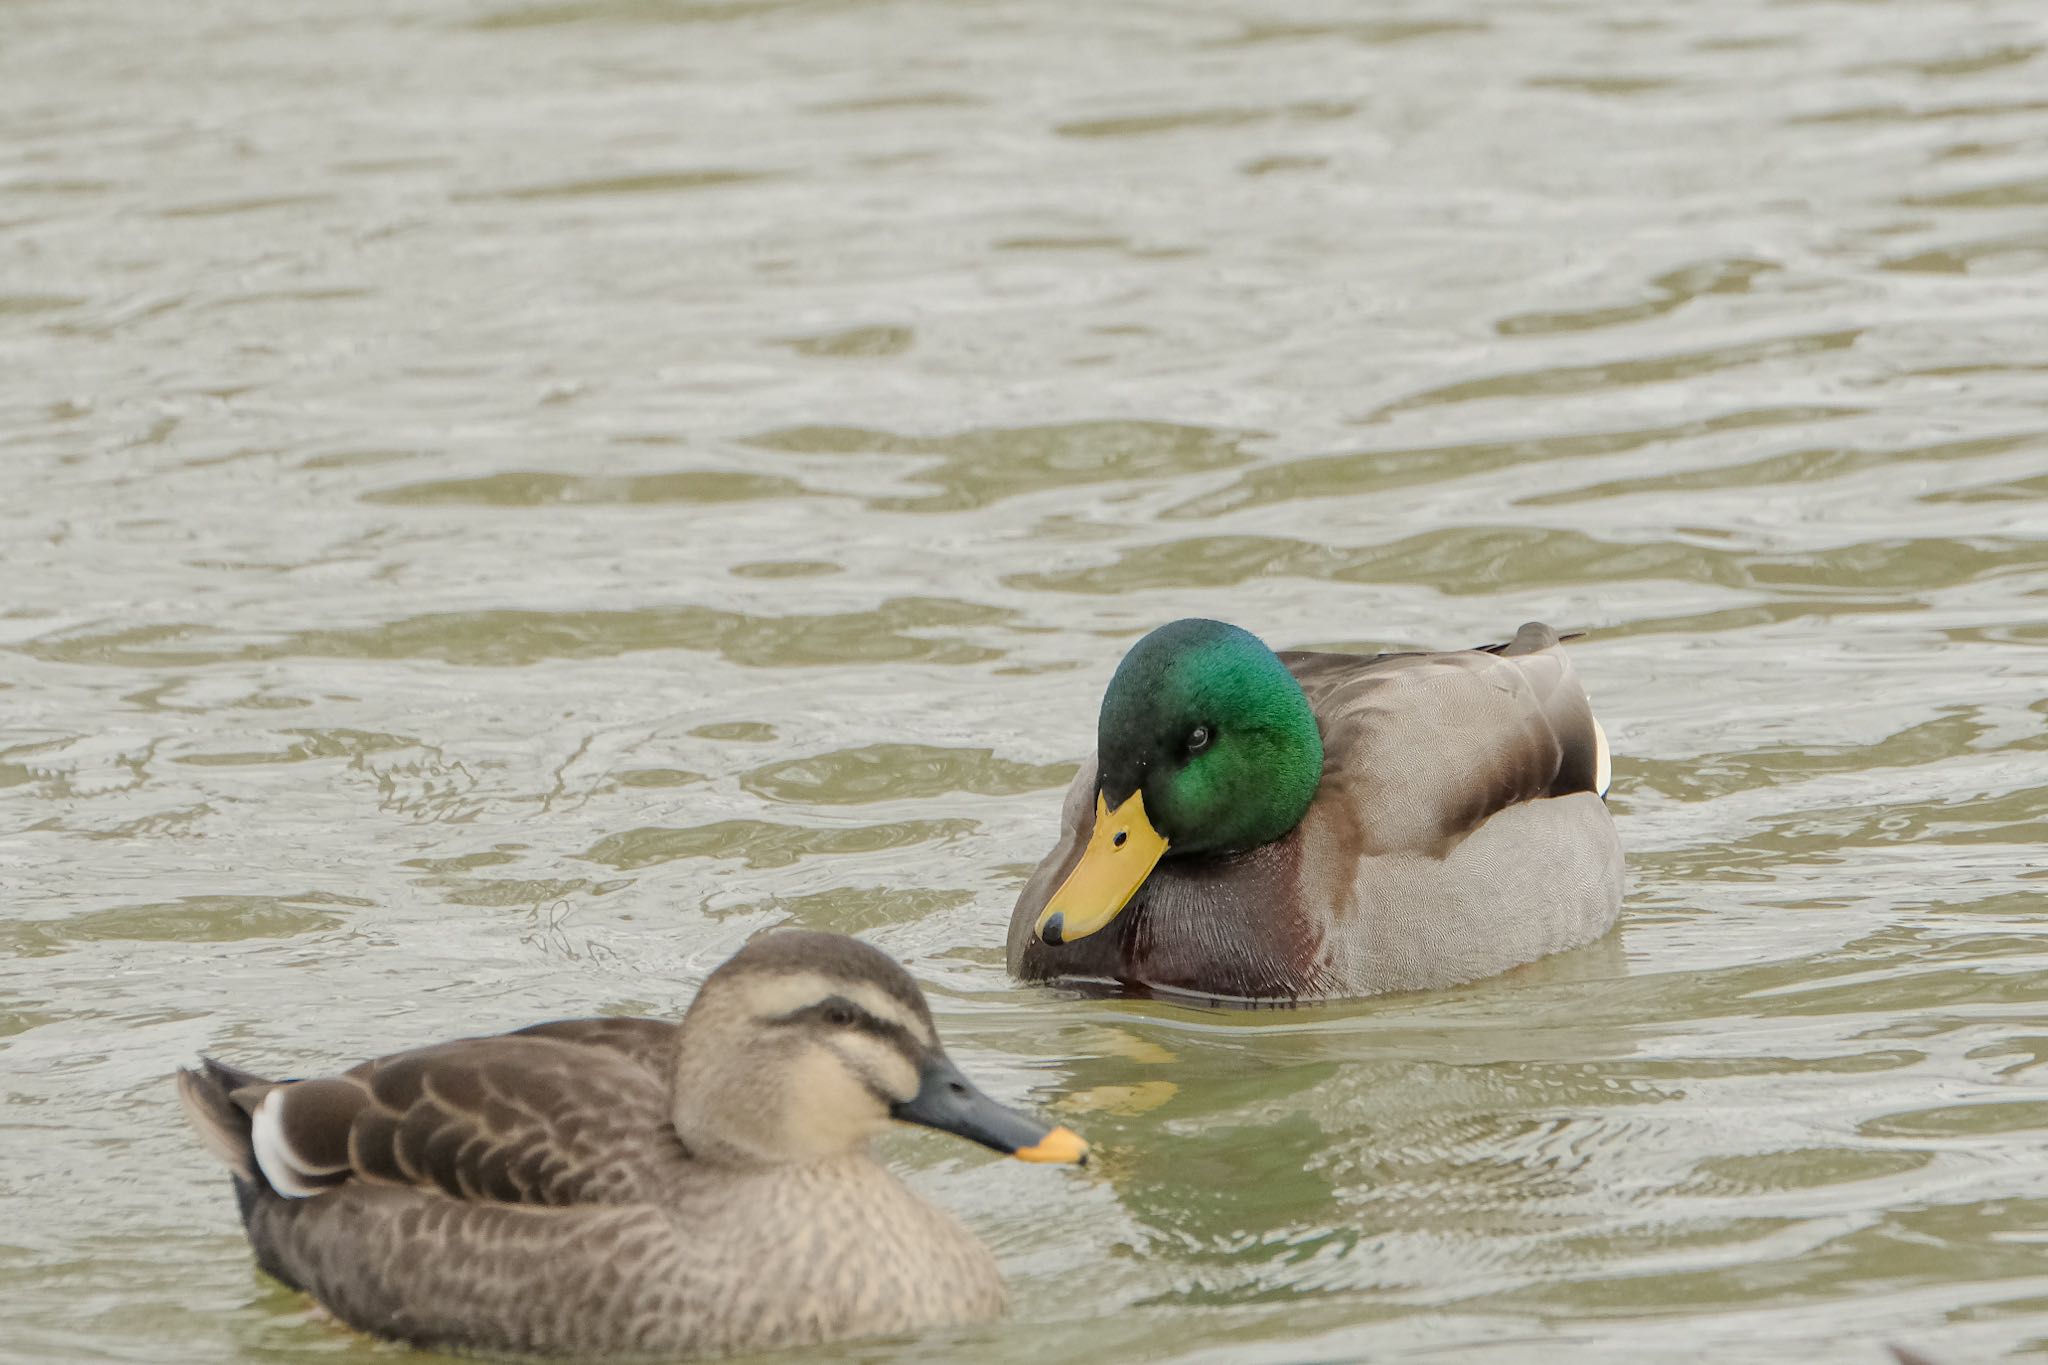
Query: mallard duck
x,y
630,1187
1262,826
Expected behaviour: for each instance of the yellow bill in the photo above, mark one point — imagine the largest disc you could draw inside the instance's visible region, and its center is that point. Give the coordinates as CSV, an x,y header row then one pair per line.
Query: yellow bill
x,y
1060,1145
1121,853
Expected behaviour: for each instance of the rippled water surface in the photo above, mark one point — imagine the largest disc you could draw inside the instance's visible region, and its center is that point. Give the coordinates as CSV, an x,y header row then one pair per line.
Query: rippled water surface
x,y
501,500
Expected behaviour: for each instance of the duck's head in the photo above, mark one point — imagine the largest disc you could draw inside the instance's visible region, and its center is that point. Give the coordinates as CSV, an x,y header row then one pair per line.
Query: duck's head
x,y
802,1046
1205,744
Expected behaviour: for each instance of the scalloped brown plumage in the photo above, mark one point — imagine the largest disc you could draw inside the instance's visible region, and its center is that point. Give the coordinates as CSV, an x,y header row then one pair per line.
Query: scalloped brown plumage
x,y
609,1187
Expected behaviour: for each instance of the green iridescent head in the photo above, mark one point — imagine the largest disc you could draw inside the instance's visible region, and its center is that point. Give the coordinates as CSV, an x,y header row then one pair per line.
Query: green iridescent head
x,y
1212,728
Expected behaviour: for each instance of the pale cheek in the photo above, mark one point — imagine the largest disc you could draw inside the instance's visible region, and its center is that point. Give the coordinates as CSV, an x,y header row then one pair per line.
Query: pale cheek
x,y
895,1073
827,1110
886,1066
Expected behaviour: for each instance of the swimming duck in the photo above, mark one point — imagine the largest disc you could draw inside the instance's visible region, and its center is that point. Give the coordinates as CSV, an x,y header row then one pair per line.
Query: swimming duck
x,y
1261,826
617,1186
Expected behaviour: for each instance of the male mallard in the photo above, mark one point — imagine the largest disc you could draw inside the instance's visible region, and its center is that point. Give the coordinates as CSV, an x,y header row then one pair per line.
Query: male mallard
x,y
1301,825
608,1187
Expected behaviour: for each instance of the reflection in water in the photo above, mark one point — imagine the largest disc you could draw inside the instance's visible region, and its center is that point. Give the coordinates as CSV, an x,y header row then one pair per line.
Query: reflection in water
x,y
505,502
506,639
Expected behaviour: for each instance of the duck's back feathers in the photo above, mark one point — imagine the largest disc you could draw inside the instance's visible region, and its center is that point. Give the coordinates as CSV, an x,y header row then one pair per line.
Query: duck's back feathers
x,y
649,1043
521,1118
514,1119
1425,748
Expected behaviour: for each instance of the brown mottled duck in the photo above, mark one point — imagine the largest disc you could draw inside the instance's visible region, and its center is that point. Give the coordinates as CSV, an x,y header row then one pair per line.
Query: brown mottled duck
x,y
630,1187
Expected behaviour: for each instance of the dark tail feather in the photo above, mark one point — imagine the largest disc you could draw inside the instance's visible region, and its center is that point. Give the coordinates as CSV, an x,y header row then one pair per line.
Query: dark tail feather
x,y
207,1093
1530,639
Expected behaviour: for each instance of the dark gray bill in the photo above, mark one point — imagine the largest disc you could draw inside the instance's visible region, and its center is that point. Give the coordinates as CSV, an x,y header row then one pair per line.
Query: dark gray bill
x,y
949,1102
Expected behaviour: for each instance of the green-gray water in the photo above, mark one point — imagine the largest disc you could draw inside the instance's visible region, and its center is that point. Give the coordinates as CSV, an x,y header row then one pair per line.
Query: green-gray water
x,y
502,499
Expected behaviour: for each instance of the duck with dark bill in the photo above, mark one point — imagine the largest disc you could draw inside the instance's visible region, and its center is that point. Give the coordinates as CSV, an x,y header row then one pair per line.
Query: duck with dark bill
x,y
630,1187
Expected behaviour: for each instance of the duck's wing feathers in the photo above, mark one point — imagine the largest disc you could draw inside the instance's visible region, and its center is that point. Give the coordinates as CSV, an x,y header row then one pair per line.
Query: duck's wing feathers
x,y
649,1042
1424,748
513,1119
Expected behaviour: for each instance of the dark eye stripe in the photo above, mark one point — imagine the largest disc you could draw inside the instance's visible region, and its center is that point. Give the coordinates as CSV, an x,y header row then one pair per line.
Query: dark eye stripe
x,y
888,1031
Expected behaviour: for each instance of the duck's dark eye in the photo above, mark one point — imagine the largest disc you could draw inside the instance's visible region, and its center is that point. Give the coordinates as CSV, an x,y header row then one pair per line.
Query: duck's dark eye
x,y
1198,739
839,1015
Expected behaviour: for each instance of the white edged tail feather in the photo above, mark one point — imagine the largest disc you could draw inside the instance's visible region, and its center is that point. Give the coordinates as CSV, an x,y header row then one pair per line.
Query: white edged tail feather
x,y
1603,762
290,1174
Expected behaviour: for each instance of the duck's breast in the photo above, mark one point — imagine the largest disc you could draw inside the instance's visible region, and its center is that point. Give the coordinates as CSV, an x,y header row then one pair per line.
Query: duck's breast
x,y
724,1262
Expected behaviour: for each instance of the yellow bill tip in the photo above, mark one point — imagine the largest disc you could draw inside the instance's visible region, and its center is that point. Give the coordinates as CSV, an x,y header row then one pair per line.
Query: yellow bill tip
x,y
1062,1145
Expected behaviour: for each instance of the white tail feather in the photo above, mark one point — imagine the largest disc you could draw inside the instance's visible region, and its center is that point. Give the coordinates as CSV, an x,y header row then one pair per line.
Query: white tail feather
x,y
1603,762
286,1174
